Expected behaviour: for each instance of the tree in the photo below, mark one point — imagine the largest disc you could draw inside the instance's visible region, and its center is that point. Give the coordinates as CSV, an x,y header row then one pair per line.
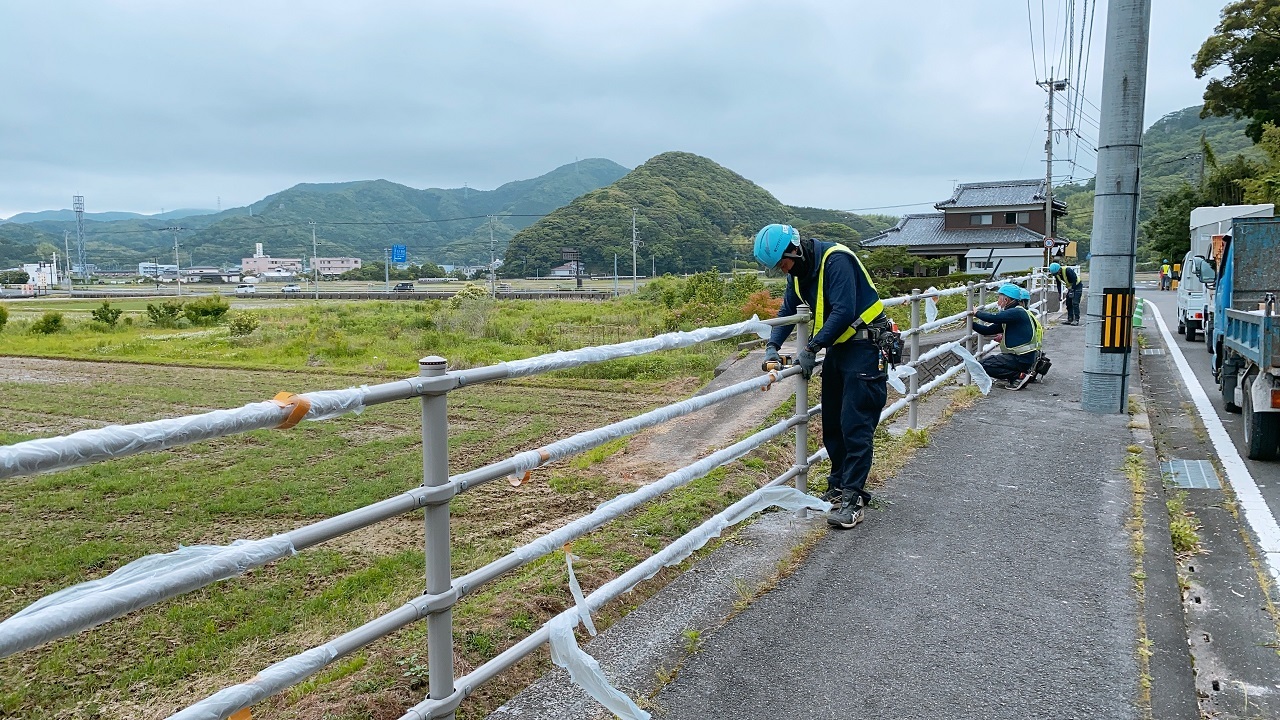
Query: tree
x,y
884,262
14,277
832,232
1264,186
1167,233
1247,43
45,250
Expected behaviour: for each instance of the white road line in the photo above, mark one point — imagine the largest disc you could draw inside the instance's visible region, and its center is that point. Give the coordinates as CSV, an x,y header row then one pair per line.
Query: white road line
x,y
1256,511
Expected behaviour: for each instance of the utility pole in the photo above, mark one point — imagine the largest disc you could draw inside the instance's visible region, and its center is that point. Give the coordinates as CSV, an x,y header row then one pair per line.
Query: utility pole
x,y
177,265
635,244
1052,86
315,272
386,268
66,245
493,281
1108,318
653,266
615,274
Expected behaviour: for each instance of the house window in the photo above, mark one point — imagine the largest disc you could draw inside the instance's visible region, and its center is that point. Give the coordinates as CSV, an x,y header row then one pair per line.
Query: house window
x,y
979,219
1024,218
1010,218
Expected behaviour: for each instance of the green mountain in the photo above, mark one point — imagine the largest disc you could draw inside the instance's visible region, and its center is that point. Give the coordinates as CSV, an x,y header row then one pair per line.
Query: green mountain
x,y
691,214
65,215
352,219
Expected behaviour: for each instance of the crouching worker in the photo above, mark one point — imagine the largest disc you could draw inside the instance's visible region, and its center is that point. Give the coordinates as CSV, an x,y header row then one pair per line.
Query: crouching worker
x,y
848,321
1021,336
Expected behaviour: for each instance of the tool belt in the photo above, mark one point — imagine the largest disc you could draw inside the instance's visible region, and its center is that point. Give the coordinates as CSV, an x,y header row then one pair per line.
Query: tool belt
x,y
887,339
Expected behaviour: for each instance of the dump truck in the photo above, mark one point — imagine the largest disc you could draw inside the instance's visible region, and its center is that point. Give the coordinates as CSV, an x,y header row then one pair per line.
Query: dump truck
x,y
1194,305
1243,275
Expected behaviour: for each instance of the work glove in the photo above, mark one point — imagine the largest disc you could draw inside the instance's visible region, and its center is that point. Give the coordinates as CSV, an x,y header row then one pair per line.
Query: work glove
x,y
807,360
771,356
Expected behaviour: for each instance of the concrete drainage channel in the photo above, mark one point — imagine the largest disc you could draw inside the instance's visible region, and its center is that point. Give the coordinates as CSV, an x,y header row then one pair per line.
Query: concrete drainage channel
x,y
1229,618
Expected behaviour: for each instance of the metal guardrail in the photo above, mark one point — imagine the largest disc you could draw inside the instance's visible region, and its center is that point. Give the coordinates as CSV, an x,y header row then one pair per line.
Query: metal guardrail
x,y
155,578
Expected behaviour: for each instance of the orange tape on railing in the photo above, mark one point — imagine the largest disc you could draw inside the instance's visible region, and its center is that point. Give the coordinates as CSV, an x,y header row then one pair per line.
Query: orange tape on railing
x,y
300,407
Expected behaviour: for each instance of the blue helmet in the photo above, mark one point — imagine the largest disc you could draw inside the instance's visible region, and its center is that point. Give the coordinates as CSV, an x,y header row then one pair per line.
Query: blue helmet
x,y
1010,291
1025,294
1054,268
772,243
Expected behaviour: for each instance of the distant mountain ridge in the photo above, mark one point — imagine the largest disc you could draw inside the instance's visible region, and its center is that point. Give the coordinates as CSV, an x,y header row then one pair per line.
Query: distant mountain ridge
x,y
359,218
65,215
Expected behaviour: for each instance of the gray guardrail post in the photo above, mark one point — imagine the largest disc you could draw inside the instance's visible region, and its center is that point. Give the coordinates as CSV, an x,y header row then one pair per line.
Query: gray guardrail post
x,y
970,342
802,410
913,382
435,472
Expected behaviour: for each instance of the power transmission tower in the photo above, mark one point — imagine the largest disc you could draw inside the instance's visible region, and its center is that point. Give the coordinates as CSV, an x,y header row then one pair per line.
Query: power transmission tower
x,y
635,244
77,203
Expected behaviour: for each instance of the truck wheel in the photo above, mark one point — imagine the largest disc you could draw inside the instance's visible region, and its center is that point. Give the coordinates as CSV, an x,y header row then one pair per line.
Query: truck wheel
x,y
1191,333
1261,430
1227,383
1208,336
1182,326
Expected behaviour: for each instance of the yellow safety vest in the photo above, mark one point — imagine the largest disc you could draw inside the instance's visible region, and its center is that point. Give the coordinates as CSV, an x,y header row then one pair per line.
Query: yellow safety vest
x,y
1036,341
1062,275
871,313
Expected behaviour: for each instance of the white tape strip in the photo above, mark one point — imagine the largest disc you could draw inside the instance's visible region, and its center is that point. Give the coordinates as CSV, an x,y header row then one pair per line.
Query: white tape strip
x,y
976,371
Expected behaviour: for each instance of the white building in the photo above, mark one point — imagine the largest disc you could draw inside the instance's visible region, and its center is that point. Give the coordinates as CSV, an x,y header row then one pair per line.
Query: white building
x,y
150,269
42,275
1002,261
334,266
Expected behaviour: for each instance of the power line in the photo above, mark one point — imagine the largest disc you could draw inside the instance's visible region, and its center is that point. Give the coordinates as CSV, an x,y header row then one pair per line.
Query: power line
x,y
890,207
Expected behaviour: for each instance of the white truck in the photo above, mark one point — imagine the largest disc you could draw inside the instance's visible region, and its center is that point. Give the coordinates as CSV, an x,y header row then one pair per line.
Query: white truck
x,y
1195,303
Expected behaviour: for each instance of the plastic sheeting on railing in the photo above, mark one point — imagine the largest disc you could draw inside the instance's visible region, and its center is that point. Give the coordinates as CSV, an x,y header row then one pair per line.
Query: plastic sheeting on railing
x,y
976,371
269,681
140,583
930,306
570,358
113,441
583,669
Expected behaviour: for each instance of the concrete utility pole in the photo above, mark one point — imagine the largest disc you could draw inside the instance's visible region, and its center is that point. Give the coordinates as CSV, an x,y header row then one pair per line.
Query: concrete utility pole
x,y
386,269
1108,316
66,245
615,274
177,265
635,245
1052,86
315,271
493,280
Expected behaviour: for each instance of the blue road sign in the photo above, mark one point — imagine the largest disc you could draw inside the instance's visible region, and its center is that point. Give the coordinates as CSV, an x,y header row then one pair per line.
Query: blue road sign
x,y
399,253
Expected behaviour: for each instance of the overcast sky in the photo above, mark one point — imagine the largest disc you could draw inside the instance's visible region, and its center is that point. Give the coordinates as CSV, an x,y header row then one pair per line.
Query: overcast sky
x,y
147,104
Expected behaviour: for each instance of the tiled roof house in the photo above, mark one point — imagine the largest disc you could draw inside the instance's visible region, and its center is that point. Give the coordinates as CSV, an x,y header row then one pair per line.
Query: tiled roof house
x,y
1002,217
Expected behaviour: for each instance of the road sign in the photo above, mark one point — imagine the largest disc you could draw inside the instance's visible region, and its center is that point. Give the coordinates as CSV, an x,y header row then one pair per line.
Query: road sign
x,y
399,253
1048,243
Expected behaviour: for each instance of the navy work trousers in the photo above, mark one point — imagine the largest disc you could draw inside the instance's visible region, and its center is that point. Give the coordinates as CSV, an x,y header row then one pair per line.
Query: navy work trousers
x,y
854,391
1073,302
1005,366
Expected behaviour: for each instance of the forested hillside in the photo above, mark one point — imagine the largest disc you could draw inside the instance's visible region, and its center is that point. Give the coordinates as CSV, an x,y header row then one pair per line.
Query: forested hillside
x,y
691,214
355,218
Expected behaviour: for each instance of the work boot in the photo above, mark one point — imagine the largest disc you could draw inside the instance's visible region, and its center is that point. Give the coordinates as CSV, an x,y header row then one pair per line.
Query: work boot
x,y
831,495
849,513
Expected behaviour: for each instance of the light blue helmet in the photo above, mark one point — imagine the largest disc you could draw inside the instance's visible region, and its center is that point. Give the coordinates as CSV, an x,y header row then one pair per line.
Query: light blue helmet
x,y
1024,294
772,242
1011,291
1054,268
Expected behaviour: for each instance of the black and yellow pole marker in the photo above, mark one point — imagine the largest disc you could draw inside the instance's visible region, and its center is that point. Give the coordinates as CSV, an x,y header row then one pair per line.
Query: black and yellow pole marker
x,y
1117,320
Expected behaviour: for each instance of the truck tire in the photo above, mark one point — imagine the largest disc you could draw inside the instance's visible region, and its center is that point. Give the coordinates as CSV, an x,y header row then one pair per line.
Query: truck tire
x,y
1227,373
1208,335
1182,326
1261,430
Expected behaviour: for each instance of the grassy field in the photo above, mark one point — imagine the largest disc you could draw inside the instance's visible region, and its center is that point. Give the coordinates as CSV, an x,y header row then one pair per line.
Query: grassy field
x,y
67,527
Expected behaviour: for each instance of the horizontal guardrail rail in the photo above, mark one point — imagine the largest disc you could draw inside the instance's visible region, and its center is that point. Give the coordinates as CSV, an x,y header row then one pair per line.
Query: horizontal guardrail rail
x,y
155,578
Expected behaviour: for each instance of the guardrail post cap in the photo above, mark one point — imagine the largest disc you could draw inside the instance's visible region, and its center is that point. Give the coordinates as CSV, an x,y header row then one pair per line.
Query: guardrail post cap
x,y
432,365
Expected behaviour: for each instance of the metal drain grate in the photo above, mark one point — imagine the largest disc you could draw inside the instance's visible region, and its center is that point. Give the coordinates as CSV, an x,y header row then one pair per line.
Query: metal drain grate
x,y
1191,474
1153,351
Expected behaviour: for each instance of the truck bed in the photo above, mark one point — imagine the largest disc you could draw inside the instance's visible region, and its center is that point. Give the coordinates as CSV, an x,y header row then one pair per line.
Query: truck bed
x,y
1254,335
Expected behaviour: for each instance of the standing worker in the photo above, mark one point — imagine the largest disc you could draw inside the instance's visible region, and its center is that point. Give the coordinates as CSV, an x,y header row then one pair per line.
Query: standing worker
x,y
1069,280
849,322
1021,336
1166,275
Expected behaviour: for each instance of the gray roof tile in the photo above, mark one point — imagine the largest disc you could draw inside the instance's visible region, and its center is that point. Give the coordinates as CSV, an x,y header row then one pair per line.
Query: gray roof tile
x,y
926,229
1001,193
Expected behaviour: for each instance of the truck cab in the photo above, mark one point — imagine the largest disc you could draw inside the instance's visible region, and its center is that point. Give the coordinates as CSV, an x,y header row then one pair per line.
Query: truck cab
x,y
1192,299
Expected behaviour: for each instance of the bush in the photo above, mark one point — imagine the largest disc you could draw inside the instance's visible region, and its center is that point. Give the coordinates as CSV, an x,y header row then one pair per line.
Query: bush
x,y
208,310
14,277
4,316
165,314
763,305
470,292
49,323
242,322
106,314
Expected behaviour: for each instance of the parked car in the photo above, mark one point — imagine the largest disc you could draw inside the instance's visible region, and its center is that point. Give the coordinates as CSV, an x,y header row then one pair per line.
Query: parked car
x,y
403,287
246,289
291,288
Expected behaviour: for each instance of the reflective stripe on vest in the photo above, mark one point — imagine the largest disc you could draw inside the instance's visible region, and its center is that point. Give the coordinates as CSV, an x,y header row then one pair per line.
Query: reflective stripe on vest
x,y
871,313
1036,341
1062,275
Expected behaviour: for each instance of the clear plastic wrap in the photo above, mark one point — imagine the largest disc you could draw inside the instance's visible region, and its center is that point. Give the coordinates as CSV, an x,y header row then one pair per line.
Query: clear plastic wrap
x,y
897,375
930,305
143,582
572,358
585,672
113,441
270,681
976,371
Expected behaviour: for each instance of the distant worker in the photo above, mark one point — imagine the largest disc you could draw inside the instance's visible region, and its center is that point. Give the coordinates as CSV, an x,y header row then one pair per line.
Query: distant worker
x,y
848,321
1166,275
1069,280
1021,336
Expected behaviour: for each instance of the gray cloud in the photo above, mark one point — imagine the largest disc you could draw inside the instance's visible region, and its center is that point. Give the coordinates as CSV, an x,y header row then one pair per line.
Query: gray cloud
x,y
143,104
